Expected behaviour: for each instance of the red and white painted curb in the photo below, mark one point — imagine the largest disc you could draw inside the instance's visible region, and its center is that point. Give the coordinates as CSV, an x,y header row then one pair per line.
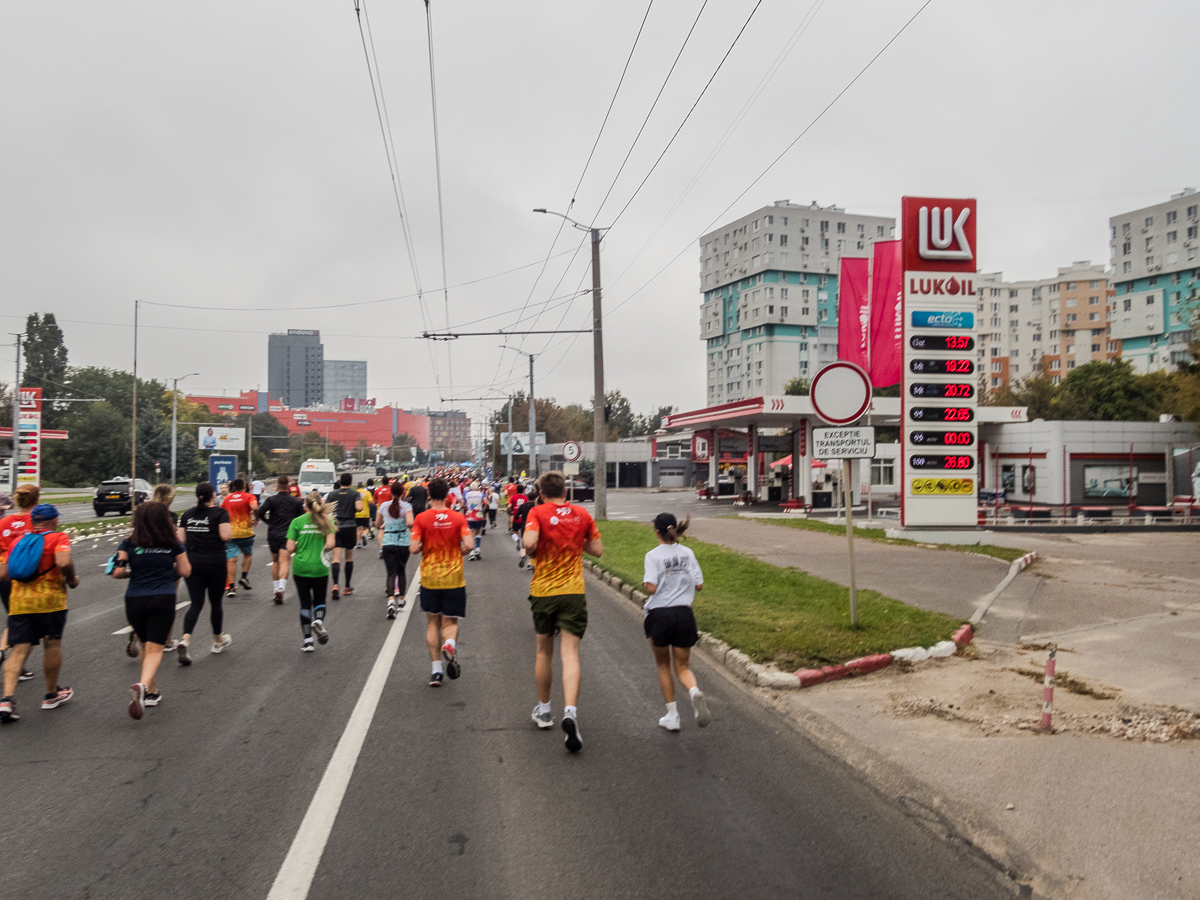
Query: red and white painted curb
x,y
766,676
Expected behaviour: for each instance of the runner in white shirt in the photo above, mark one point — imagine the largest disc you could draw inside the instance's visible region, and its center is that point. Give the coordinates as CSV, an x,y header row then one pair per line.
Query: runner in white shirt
x,y
671,578
473,503
257,488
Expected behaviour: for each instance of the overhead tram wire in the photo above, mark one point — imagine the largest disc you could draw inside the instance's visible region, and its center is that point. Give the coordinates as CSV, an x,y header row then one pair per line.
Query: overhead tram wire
x,y
587,163
437,162
699,97
776,160
393,167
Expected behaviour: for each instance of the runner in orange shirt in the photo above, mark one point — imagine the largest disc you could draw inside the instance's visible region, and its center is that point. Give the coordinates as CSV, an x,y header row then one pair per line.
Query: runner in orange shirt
x,y
442,536
558,533
242,508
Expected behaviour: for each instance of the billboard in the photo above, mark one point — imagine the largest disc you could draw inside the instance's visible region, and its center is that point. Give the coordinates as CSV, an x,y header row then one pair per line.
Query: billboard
x,y
217,438
520,441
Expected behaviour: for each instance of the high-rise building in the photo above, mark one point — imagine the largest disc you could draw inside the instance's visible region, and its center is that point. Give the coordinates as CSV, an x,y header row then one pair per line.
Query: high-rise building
x,y
1060,322
345,378
1155,255
450,430
769,282
295,368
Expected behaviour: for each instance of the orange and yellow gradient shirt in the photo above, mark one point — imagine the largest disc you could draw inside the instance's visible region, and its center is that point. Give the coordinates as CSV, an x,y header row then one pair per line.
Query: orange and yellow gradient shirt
x,y
440,532
240,507
48,592
562,530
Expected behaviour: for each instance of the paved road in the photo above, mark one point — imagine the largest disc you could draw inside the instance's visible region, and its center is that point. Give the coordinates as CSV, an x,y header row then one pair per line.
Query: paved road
x,y
455,793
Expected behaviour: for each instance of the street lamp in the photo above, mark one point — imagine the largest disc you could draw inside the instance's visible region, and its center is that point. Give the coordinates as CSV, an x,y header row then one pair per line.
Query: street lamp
x,y
175,418
599,426
533,467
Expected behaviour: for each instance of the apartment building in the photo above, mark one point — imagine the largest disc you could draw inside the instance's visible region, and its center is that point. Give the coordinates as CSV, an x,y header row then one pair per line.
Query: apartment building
x,y
1155,256
1061,322
769,286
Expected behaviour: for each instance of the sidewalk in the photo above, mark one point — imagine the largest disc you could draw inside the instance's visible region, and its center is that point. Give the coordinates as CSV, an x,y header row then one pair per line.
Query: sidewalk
x,y
1107,807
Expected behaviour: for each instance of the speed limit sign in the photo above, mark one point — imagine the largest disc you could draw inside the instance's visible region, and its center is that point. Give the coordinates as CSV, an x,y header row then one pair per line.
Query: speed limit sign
x,y
571,451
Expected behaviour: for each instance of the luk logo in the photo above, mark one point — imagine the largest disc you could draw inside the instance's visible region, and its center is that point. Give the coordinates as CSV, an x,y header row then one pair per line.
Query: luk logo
x,y
936,233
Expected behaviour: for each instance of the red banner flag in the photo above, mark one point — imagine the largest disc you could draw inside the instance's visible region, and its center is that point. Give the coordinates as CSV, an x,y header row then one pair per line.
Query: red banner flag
x,y
887,311
854,313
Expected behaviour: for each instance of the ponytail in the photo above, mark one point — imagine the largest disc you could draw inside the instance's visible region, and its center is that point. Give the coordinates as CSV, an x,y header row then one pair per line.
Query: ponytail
x,y
669,529
320,512
394,506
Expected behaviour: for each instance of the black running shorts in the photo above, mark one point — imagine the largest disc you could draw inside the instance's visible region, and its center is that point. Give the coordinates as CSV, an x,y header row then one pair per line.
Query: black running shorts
x,y
672,626
347,537
30,628
448,602
151,617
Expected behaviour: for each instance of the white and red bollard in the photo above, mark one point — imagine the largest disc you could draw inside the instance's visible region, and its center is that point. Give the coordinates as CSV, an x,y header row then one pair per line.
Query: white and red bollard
x,y
1048,692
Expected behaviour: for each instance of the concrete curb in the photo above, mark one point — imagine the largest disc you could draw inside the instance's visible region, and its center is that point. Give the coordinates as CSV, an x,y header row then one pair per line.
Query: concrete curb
x,y
1018,565
745,669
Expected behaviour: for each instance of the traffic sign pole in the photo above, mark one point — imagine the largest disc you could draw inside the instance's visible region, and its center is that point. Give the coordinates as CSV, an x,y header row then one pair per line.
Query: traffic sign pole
x,y
850,538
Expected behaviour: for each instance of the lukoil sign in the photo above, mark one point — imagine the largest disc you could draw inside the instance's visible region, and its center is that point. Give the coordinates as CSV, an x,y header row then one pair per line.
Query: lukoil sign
x,y
945,234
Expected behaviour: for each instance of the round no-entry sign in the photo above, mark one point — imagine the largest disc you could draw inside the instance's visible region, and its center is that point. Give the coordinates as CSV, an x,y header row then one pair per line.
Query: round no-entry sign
x,y
840,393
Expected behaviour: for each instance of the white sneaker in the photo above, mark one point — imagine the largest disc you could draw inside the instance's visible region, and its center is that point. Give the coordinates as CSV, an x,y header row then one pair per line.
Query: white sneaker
x,y
669,722
221,643
700,705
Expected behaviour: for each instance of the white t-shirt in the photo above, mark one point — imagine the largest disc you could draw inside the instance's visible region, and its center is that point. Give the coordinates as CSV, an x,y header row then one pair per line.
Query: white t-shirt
x,y
675,572
257,488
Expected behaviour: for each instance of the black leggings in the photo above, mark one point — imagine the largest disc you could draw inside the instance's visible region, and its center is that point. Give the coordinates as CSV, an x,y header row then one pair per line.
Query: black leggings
x,y
395,559
312,600
206,577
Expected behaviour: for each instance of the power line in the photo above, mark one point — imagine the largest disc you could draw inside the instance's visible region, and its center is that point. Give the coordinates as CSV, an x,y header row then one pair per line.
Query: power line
x,y
437,162
775,161
699,97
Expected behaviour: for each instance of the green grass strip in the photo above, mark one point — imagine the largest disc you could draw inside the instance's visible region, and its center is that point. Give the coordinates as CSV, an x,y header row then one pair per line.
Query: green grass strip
x,y
1008,554
776,615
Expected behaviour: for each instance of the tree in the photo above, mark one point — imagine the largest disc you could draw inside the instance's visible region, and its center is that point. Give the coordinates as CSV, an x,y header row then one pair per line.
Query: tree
x,y
797,387
619,414
1105,391
1036,391
45,362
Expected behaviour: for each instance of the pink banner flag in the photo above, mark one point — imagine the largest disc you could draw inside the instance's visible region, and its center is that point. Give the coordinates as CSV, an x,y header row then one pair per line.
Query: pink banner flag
x,y
854,315
887,314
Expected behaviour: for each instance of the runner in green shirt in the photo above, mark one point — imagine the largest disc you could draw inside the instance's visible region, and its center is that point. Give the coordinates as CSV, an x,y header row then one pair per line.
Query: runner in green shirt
x,y
309,537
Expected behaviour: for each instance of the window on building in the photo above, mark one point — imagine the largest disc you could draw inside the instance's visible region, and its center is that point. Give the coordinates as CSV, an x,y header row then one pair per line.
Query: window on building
x,y
883,471
878,231
1054,364
1193,231
1012,293
1126,228
1125,268
783,240
756,224
997,367
1149,299
1149,261
1172,237
1070,363
1149,221
1093,301
822,315
804,310
1171,217
771,220
841,227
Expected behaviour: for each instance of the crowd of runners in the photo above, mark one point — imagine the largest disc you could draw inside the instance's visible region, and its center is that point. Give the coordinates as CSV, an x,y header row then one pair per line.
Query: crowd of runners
x,y
312,540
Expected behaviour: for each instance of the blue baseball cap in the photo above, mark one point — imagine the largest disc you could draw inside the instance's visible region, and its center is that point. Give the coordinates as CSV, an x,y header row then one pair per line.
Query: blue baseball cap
x,y
43,512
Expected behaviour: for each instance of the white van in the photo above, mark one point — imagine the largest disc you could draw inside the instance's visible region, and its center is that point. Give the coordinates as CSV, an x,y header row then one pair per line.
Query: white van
x,y
316,475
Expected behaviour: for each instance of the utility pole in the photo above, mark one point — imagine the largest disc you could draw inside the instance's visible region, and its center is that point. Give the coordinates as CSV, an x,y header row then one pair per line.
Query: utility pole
x,y
533,466
510,406
16,417
175,420
133,433
599,425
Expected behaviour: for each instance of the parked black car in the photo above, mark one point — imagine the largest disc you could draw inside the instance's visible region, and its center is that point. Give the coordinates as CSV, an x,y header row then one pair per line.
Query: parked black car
x,y
583,491
113,495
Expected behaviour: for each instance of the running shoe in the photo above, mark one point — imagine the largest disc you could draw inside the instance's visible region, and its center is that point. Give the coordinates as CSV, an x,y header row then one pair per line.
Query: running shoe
x,y
170,646
152,699
244,581
278,598
8,710
571,727
231,593
544,720
435,680
400,601
318,628
700,706
182,654
57,698
307,646
25,675
669,722
133,648
138,703
221,642
520,562
391,610
337,595
349,590
451,657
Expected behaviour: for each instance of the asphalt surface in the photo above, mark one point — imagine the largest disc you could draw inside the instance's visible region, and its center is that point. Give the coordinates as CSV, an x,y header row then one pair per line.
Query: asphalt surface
x,y
455,793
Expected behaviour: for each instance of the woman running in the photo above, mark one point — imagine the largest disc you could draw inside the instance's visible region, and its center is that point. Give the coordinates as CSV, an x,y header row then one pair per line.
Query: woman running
x,y
308,538
394,521
204,529
672,578
153,559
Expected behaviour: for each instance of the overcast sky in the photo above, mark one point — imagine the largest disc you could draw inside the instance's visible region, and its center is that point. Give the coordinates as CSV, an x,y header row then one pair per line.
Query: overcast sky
x,y
221,154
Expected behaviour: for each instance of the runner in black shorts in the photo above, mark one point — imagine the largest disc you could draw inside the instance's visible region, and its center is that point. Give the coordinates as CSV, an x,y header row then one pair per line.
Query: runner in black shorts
x,y
672,577
277,511
347,506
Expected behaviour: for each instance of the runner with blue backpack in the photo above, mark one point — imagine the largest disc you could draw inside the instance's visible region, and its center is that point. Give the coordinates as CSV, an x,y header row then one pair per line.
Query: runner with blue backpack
x,y
40,567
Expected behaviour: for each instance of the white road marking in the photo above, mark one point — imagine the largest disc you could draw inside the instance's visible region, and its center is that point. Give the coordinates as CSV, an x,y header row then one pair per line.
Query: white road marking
x,y
300,866
129,628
